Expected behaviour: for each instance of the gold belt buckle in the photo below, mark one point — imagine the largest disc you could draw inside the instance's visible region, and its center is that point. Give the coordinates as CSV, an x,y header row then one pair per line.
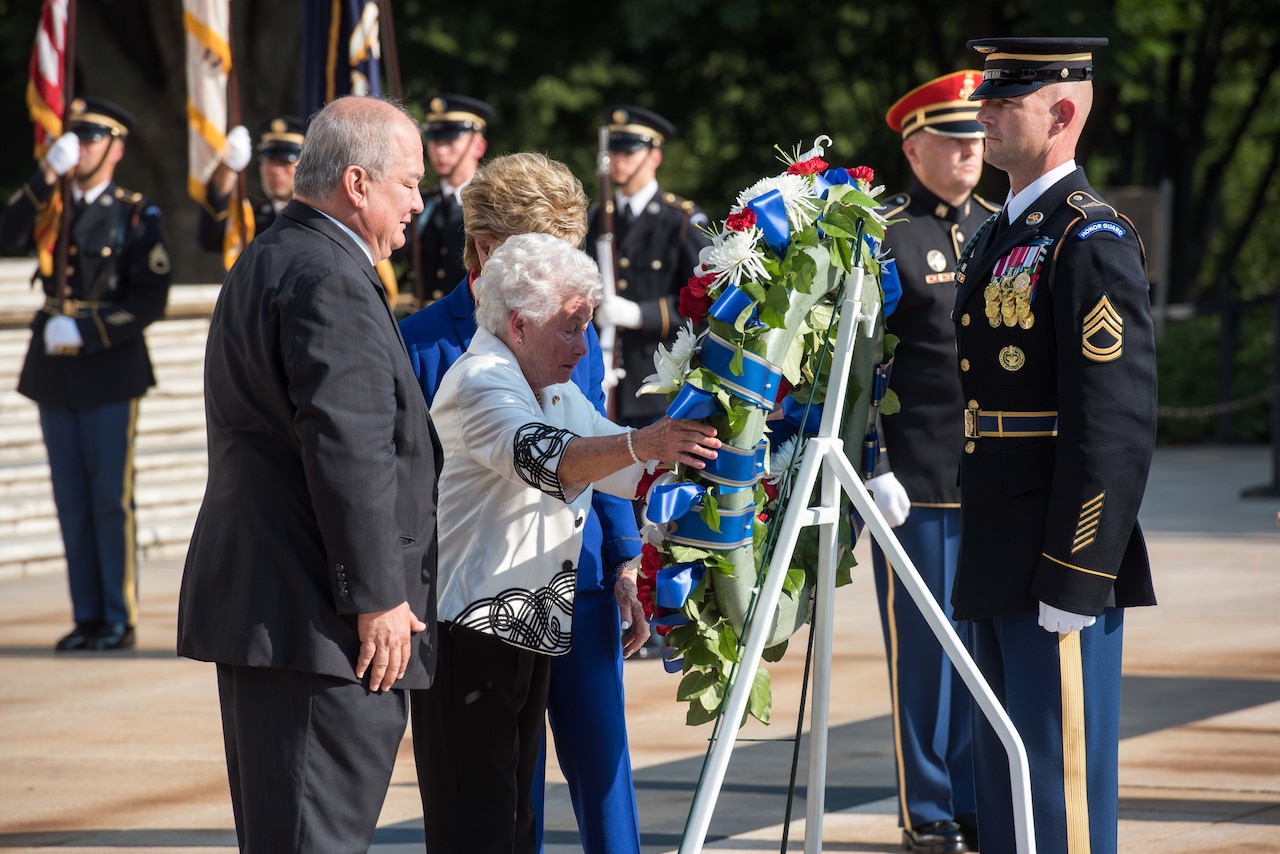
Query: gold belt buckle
x,y
971,424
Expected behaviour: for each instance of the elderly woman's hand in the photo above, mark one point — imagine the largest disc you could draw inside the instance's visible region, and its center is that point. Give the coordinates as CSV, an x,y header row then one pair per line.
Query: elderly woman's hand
x,y
688,442
634,622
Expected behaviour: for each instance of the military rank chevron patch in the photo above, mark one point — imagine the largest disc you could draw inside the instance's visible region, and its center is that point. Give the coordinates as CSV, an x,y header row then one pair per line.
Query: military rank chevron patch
x,y
1087,527
1103,337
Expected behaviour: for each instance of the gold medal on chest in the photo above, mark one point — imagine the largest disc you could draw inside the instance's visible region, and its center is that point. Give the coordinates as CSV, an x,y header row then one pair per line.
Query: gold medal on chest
x,y
1012,358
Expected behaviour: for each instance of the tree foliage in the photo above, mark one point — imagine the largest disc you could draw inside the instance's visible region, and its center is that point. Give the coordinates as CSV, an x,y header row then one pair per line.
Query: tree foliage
x,y
1187,93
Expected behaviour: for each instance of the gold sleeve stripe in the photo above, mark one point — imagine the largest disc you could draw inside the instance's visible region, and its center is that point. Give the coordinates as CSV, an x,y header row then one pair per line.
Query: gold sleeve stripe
x,y
1077,568
891,587
1090,518
1075,766
666,318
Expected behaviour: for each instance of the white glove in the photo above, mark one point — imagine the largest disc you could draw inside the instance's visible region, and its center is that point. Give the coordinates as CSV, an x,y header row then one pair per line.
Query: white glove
x,y
64,154
238,150
619,312
891,498
1060,621
61,334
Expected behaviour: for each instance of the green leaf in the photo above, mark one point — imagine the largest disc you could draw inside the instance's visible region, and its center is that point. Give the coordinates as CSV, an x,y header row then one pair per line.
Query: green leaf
x,y
710,512
698,715
753,289
760,704
890,405
694,684
735,363
794,582
729,644
775,652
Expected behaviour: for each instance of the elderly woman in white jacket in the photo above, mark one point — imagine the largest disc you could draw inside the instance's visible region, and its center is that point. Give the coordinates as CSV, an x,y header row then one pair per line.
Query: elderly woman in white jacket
x,y
523,449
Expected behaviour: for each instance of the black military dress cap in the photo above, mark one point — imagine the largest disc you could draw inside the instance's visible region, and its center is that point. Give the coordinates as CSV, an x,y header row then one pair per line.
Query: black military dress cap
x,y
1019,66
93,118
280,138
633,128
450,116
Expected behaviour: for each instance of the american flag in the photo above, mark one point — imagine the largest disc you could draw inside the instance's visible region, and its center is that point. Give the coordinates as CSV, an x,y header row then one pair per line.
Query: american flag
x,y
45,93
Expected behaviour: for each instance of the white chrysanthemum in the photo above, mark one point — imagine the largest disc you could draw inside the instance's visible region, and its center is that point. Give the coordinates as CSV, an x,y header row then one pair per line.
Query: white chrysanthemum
x,y
781,460
671,366
733,257
797,194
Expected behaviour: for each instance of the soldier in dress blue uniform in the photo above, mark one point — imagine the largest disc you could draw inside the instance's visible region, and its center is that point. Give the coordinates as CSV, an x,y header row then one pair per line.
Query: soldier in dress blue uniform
x,y
279,146
656,244
914,480
456,143
1057,365
88,366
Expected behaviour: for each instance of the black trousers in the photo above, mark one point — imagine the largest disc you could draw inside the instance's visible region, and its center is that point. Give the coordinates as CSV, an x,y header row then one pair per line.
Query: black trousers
x,y
309,758
477,733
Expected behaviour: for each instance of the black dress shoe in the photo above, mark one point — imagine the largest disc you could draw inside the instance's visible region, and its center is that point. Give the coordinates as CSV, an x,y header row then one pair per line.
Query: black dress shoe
x,y
112,636
970,832
936,837
79,637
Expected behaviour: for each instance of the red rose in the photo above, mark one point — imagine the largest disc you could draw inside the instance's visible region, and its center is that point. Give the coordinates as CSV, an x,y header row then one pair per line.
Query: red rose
x,y
865,174
784,389
647,579
743,220
770,486
812,166
646,481
694,302
663,631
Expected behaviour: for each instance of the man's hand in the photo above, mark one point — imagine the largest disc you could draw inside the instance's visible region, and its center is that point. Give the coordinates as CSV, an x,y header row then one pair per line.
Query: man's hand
x,y
633,619
619,312
1057,620
238,150
891,498
63,155
62,336
385,638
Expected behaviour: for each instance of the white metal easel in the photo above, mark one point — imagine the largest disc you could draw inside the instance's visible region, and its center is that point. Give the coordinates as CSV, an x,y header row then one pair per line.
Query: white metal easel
x,y
825,453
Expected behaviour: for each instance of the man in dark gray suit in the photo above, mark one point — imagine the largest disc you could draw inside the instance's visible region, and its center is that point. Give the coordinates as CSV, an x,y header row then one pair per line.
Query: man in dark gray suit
x,y
312,565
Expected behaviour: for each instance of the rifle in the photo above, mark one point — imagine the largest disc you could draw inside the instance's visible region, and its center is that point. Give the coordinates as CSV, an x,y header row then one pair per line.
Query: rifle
x,y
613,370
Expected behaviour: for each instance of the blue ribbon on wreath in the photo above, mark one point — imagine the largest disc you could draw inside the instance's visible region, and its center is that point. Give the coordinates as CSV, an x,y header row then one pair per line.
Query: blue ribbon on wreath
x,y
692,402
771,219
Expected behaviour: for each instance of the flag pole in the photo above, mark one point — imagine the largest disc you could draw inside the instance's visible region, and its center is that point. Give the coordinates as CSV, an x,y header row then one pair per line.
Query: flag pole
x,y
388,28
233,119
61,287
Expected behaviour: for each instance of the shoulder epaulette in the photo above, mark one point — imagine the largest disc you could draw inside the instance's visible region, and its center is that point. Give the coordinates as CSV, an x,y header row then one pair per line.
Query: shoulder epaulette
x,y
674,201
1090,206
129,197
984,203
896,205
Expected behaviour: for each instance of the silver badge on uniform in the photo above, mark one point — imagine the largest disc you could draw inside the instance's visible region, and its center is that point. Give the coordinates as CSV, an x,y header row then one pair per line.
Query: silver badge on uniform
x,y
936,260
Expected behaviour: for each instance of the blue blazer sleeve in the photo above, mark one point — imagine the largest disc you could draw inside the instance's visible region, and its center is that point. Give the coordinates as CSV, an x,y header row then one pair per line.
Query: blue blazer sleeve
x,y
434,338
617,516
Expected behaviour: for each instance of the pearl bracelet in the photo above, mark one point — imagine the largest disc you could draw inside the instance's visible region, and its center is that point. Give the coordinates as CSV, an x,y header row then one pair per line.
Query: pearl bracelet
x,y
632,448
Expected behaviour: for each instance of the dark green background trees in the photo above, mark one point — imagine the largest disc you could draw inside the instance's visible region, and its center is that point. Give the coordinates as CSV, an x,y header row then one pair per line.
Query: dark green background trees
x,y
1188,93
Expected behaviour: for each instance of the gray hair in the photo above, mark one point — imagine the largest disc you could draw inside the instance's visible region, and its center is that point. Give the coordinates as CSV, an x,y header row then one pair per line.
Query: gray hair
x,y
349,131
534,276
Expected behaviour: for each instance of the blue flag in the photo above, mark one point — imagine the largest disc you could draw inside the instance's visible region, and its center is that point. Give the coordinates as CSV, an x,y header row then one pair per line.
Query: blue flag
x,y
341,51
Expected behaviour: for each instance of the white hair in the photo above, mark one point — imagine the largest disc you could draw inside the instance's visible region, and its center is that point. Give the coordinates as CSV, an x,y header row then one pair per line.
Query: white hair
x,y
534,276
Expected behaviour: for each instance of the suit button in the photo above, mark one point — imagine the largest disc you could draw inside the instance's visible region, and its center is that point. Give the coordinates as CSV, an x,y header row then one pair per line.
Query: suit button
x,y
969,447
567,566
964,364
621,284
71,271
437,294
964,319
656,264
624,263
577,523
73,250
444,251
973,404
106,252
440,273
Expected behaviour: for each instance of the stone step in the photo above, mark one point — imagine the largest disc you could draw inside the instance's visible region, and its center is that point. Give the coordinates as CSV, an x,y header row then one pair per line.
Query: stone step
x,y
160,536
23,480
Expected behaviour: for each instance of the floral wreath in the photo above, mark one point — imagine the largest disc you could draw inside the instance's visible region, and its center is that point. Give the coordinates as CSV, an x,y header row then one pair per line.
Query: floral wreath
x,y
768,288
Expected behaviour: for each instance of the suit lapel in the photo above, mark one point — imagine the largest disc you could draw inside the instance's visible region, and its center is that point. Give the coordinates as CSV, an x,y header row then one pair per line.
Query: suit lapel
x,y
309,217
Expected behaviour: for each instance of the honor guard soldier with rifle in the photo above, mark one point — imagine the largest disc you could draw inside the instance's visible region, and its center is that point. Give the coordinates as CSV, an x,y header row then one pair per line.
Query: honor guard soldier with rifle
x,y
1058,369
656,241
456,143
914,480
87,365
279,144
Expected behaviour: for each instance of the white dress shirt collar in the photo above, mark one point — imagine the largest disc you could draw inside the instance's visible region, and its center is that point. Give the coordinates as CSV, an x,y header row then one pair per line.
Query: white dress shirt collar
x,y
368,253
639,200
1016,205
